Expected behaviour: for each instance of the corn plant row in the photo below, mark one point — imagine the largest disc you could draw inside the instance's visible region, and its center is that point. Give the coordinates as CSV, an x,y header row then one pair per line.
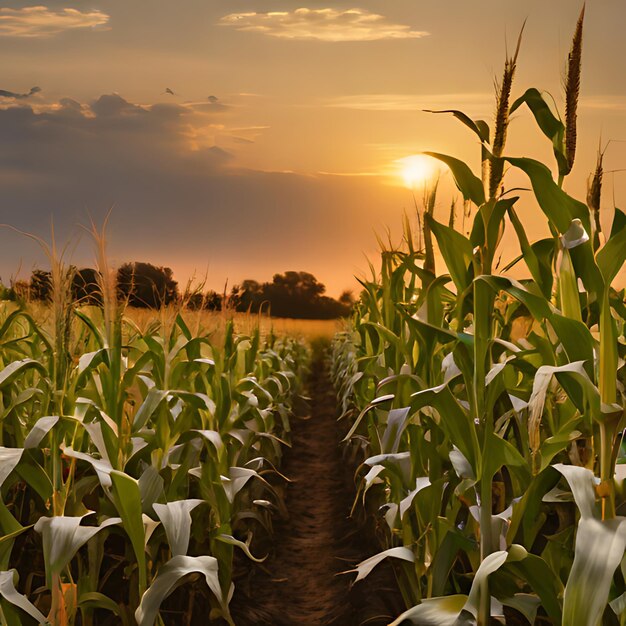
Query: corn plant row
x,y
488,412
132,458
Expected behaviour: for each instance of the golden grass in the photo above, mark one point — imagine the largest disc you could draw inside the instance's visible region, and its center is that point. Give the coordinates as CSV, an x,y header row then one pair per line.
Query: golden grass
x,y
212,322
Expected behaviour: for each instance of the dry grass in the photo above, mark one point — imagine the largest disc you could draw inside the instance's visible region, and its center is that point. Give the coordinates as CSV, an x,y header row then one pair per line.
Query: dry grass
x,y
212,322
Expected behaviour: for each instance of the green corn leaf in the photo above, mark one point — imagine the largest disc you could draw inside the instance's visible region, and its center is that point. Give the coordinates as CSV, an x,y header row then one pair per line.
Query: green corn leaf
x,y
576,382
551,126
453,421
457,610
41,428
176,519
539,307
10,594
538,256
396,423
170,576
243,546
582,482
398,464
11,529
468,184
365,568
148,407
456,251
599,549
36,477
102,467
94,599
559,207
62,537
492,215
9,458
568,287
576,339
150,488
443,611
541,578
479,127
611,257
127,498
15,369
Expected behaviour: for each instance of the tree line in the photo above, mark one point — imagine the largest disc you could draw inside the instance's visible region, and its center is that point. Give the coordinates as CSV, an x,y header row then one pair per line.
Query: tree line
x,y
144,285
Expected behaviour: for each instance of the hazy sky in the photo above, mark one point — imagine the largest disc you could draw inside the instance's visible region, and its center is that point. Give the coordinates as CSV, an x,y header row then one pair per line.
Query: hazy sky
x,y
278,148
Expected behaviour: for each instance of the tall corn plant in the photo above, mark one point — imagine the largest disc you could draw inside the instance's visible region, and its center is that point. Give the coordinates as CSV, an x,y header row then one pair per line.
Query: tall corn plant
x,y
150,456
500,408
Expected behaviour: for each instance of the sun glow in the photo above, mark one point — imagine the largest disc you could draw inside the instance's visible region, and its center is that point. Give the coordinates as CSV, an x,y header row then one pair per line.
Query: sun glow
x,y
416,170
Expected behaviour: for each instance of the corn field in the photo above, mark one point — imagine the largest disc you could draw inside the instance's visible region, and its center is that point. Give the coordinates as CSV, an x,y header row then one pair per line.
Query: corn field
x,y
483,412
487,413
133,458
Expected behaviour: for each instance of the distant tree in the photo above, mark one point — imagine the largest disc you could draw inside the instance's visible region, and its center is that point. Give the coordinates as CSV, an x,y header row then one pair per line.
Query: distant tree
x,y
146,285
209,301
347,298
291,294
298,284
41,285
248,296
86,286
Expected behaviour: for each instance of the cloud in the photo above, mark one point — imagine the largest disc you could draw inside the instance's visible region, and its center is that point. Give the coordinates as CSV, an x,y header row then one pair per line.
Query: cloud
x,y
40,21
412,102
179,199
19,96
322,25
600,102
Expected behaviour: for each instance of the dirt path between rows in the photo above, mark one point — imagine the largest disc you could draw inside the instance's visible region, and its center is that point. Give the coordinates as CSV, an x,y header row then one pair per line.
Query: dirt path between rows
x,y
299,582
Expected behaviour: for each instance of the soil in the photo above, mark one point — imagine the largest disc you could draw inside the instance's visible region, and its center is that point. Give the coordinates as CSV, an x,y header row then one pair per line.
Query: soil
x,y
301,581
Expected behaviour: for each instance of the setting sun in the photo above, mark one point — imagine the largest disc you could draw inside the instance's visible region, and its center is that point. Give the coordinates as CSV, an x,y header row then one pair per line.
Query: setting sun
x,y
416,170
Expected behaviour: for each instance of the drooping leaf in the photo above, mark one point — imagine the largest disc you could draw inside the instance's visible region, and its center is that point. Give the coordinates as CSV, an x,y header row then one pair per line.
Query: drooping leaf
x,y
14,369
176,519
559,207
41,428
582,482
170,576
364,568
479,127
94,599
468,184
599,549
102,467
9,458
10,594
551,126
242,545
442,611
62,537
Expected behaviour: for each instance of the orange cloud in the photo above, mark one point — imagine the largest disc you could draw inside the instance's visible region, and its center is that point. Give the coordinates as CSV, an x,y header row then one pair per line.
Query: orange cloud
x,y
322,25
40,21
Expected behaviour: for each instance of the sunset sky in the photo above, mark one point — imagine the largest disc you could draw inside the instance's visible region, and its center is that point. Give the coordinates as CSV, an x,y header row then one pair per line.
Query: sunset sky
x,y
279,146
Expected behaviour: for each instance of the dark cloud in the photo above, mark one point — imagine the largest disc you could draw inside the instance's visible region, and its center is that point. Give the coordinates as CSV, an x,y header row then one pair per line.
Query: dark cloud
x,y
177,199
19,96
